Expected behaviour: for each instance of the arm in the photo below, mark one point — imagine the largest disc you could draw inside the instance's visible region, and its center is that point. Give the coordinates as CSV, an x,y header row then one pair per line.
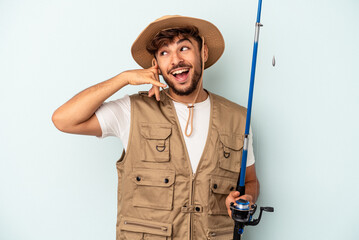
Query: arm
x,y
252,189
78,114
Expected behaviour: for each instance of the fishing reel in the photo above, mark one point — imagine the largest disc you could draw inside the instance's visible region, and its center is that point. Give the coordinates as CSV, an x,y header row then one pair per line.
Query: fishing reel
x,y
242,214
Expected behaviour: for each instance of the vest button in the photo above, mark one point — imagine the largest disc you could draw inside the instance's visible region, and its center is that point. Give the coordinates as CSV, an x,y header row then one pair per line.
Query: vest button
x,y
166,180
138,179
215,186
198,209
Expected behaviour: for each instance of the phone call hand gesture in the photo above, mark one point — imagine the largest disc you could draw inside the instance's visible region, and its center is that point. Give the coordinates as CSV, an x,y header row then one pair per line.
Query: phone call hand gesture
x,y
146,76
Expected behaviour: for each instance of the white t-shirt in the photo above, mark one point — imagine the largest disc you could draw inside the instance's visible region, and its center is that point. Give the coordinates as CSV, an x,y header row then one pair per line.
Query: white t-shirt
x,y
115,120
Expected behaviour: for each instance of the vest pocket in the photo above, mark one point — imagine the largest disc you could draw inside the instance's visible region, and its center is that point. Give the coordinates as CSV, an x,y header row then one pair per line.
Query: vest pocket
x,y
230,154
219,189
220,234
153,188
138,229
155,142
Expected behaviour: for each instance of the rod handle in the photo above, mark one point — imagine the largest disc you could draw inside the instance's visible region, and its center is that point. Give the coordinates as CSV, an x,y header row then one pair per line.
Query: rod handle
x,y
241,190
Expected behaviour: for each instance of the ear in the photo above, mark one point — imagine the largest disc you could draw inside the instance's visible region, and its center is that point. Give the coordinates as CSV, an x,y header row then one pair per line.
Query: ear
x,y
205,52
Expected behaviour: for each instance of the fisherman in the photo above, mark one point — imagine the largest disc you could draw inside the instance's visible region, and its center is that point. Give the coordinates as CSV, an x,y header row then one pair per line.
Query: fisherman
x,y
183,144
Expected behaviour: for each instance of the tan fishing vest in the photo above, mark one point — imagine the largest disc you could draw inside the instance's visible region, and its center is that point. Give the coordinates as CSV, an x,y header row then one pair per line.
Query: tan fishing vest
x,y
158,195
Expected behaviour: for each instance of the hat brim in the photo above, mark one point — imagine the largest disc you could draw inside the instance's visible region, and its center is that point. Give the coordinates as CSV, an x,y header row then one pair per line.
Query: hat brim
x,y
212,38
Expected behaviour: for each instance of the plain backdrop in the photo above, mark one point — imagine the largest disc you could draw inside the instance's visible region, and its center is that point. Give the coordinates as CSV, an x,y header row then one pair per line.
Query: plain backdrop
x,y
305,111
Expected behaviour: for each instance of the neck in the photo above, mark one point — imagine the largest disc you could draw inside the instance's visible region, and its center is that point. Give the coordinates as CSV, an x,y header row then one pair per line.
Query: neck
x,y
202,96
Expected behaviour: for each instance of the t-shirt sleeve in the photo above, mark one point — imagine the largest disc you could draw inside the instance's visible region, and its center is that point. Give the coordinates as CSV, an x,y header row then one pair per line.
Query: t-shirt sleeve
x,y
250,156
115,118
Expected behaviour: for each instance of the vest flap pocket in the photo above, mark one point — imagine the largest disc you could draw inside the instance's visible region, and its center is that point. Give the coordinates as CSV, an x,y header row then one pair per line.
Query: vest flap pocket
x,y
146,226
222,233
154,177
155,142
222,185
153,188
232,141
230,151
156,131
219,189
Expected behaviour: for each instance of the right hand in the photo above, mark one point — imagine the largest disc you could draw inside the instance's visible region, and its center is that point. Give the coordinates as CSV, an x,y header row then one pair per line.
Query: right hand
x,y
233,196
146,76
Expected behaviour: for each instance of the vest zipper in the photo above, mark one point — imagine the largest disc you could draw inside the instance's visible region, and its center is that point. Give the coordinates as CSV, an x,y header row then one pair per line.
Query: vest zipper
x,y
192,201
162,228
200,160
190,225
190,232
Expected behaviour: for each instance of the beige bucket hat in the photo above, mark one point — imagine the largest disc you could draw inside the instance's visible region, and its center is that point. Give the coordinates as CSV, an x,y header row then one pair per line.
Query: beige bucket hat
x,y
212,37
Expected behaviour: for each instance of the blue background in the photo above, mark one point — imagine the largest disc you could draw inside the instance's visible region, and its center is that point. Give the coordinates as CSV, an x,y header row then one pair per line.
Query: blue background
x,y
60,186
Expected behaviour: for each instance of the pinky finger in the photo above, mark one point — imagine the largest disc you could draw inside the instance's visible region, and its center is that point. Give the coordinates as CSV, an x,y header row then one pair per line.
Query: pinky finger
x,y
157,92
151,92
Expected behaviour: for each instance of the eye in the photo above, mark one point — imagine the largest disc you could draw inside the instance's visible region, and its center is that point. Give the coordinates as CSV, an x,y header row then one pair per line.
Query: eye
x,y
184,48
163,53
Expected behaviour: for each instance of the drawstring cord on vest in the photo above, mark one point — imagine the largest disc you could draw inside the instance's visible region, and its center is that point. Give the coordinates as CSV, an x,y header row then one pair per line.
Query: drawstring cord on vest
x,y
189,106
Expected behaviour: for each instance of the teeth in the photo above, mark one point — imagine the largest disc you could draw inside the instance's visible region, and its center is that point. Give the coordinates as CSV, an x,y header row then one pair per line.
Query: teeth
x,y
180,71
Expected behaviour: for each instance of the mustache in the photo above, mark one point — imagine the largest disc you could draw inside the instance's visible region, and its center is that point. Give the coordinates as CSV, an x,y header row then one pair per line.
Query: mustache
x,y
180,65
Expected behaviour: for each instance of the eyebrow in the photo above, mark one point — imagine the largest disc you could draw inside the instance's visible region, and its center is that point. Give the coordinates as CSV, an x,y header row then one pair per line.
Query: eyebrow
x,y
182,40
179,41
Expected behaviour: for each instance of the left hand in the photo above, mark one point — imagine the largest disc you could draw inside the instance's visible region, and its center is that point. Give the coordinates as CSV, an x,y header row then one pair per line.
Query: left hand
x,y
233,197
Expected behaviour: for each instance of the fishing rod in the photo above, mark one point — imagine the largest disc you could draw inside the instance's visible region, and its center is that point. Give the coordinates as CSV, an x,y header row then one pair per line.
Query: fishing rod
x,y
242,212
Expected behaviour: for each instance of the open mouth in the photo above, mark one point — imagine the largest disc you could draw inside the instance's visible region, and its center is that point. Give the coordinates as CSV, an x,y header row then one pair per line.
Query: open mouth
x,y
181,74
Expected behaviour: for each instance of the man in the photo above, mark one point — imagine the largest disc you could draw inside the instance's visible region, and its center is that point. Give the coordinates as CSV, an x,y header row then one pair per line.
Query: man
x,y
183,144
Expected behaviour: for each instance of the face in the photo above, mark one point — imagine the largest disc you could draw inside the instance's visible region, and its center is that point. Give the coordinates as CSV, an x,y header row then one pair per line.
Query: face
x,y
180,64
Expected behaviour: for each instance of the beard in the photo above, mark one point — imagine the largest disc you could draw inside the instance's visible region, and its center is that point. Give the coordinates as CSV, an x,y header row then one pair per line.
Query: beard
x,y
194,83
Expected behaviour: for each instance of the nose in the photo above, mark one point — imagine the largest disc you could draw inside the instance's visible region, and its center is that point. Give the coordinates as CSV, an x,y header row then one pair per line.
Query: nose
x,y
176,59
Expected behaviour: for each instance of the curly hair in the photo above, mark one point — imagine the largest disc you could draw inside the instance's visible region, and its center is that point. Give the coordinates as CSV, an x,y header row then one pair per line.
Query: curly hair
x,y
167,35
